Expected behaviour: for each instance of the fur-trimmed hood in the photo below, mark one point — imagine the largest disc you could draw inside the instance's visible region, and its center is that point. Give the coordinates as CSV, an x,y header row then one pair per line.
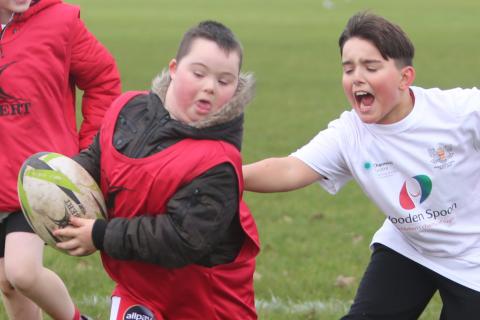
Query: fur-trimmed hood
x,y
233,109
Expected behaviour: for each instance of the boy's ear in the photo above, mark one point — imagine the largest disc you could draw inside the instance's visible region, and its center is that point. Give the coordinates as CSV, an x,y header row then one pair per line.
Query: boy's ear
x,y
408,76
172,68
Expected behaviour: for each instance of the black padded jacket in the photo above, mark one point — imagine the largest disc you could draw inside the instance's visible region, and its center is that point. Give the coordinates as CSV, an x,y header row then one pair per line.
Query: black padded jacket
x,y
207,206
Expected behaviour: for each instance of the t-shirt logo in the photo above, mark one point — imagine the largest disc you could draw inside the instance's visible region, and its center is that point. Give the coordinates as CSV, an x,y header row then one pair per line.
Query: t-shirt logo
x,y
442,156
11,105
415,190
5,95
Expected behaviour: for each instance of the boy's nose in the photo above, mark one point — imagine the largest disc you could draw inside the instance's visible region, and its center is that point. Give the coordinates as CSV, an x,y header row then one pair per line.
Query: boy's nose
x,y
209,86
357,77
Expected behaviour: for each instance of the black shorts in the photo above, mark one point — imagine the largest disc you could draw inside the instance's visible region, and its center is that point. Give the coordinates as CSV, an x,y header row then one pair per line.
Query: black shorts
x,y
397,288
15,222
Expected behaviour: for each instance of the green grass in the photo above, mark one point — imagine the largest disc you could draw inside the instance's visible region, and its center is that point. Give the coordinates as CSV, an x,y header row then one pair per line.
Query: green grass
x,y
309,238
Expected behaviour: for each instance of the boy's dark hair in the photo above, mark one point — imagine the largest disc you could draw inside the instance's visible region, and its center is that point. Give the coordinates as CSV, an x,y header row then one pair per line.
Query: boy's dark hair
x,y
214,31
387,37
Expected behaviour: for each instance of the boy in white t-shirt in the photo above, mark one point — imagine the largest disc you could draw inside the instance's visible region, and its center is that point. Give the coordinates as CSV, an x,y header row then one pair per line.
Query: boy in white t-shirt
x,y
416,153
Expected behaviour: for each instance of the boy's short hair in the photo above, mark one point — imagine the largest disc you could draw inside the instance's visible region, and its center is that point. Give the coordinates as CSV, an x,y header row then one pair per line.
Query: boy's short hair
x,y
214,31
387,37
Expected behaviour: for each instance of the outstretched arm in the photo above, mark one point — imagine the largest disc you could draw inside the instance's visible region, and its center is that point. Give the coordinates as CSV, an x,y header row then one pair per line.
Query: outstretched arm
x,y
278,175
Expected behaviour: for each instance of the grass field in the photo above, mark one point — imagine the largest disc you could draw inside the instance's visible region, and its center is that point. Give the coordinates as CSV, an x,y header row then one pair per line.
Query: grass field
x,y
310,239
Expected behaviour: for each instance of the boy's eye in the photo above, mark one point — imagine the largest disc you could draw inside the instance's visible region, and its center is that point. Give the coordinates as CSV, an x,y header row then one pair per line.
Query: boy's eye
x,y
223,82
198,74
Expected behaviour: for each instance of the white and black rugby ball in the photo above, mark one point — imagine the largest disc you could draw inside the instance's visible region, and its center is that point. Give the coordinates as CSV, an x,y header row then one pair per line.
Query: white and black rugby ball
x,y
52,188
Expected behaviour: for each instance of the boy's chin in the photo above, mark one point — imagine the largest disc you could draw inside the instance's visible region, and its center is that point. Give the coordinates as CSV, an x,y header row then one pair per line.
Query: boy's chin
x,y
20,6
366,117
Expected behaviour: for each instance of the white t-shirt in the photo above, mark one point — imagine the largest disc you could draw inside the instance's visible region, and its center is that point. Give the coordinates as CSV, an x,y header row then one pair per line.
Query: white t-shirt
x,y
423,173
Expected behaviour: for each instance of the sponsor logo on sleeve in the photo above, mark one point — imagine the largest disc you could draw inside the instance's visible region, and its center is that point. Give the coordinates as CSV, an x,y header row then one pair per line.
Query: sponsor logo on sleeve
x,y
138,312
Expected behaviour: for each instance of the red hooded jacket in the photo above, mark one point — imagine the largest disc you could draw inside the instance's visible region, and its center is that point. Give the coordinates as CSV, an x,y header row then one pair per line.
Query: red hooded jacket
x,y
45,52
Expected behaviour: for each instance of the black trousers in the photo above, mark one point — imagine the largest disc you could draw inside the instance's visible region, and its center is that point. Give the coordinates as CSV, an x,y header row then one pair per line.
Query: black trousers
x,y
397,288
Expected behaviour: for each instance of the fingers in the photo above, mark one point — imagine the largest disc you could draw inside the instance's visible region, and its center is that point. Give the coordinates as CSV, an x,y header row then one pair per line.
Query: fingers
x,y
67,232
76,238
69,244
78,252
71,231
76,221
74,248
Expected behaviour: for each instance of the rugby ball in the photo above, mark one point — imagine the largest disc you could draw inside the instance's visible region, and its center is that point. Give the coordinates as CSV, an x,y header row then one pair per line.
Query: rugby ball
x,y
52,188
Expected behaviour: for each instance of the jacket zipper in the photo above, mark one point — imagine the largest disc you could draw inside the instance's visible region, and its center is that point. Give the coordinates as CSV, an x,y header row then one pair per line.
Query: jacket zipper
x,y
1,38
153,125
2,33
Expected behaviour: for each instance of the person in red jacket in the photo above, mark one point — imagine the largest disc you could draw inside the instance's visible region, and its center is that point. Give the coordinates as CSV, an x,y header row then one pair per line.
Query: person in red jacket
x,y
45,53
180,243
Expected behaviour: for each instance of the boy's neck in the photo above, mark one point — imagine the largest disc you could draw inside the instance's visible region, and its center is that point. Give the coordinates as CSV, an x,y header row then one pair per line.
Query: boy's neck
x,y
406,105
401,110
5,16
412,97
166,101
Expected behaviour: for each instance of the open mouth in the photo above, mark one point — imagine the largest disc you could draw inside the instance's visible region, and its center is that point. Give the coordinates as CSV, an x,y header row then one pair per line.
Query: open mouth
x,y
364,98
204,105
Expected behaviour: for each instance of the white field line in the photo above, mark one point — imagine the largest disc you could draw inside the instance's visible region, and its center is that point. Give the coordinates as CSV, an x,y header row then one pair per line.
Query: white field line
x,y
95,301
273,305
302,307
